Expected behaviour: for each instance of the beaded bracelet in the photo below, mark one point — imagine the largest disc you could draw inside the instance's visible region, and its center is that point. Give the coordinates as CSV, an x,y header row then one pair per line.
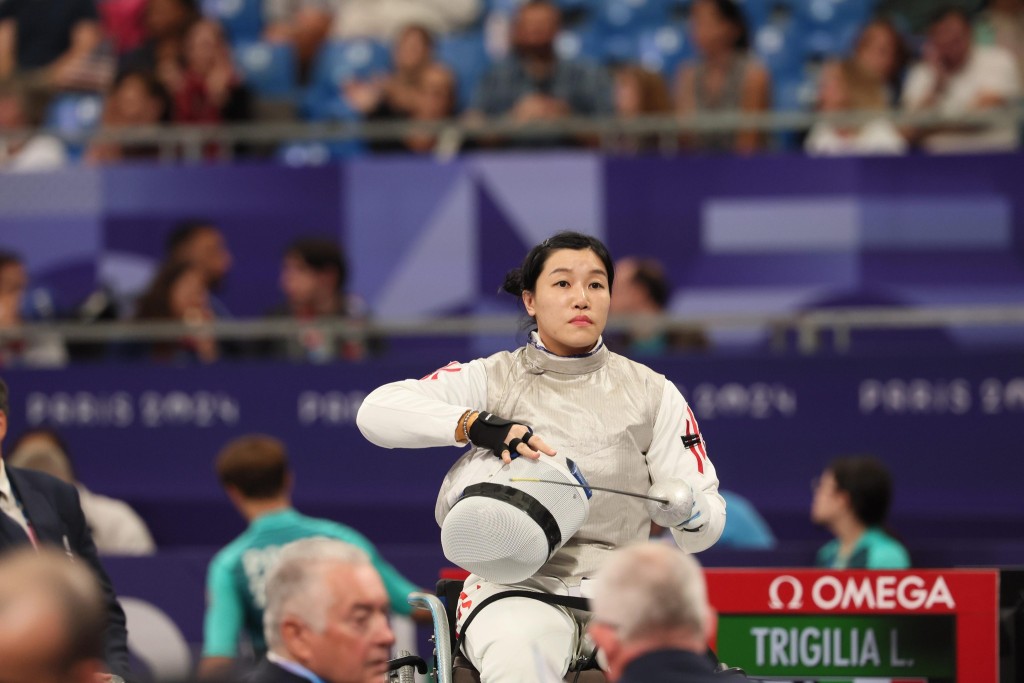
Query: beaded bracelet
x,y
465,425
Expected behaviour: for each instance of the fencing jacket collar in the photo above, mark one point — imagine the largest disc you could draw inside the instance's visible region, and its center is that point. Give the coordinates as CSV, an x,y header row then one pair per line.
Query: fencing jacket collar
x,y
539,360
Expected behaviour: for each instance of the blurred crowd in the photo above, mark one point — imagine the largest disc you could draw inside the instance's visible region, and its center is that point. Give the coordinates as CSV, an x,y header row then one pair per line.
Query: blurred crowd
x,y
77,66
312,282
183,289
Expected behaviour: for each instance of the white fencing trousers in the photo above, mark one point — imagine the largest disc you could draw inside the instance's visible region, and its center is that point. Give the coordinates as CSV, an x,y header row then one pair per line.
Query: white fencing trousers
x,y
508,636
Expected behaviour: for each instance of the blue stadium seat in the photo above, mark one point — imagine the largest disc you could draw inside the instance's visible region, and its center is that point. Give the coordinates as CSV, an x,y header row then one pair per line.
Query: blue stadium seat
x,y
304,154
338,62
619,24
779,47
466,55
584,42
74,114
830,27
270,69
793,92
242,19
663,49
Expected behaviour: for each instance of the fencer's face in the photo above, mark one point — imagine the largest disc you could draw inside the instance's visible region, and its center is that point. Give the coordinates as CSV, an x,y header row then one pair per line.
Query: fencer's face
x,y
355,644
570,301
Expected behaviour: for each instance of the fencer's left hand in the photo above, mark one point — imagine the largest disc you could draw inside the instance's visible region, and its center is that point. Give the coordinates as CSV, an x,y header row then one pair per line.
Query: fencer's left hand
x,y
680,512
506,439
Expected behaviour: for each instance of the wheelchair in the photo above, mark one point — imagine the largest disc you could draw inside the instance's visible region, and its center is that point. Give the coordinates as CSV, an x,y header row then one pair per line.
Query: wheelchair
x,y
449,666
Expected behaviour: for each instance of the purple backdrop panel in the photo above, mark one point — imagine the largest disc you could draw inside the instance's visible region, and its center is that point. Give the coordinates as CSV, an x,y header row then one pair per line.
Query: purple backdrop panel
x,y
150,435
260,209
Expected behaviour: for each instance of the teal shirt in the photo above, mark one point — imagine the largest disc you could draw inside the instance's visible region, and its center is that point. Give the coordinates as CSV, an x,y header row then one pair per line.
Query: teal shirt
x,y
234,582
875,550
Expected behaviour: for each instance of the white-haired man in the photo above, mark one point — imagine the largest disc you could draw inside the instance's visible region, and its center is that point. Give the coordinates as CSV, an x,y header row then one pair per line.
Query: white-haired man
x,y
326,619
651,616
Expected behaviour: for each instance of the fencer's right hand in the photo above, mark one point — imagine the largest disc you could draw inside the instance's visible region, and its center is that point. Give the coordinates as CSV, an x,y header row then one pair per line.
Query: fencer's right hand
x,y
506,439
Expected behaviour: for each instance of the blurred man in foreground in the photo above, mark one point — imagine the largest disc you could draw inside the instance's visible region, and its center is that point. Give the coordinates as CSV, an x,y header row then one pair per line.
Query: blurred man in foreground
x,y
326,618
51,620
651,616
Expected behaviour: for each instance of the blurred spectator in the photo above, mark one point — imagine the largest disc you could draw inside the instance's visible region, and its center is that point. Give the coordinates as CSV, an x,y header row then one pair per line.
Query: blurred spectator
x,y
37,349
202,244
956,77
179,293
651,617
51,619
1002,23
434,100
639,92
207,88
395,96
33,152
166,22
880,53
137,99
384,19
642,291
116,528
39,512
313,278
256,476
851,499
124,23
327,617
534,85
305,24
724,78
844,87
51,43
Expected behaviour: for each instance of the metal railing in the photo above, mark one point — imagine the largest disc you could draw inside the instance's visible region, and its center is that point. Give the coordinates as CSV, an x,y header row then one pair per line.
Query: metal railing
x,y
809,327
192,143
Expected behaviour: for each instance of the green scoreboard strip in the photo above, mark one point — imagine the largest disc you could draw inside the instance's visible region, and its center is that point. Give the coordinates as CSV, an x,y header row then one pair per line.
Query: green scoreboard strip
x,y
840,647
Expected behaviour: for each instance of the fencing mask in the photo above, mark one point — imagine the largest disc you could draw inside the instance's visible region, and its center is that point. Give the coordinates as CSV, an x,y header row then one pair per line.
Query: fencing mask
x,y
504,530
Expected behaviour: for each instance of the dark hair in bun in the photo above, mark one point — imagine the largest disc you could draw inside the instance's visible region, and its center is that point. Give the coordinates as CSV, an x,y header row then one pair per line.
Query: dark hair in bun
x,y
524,278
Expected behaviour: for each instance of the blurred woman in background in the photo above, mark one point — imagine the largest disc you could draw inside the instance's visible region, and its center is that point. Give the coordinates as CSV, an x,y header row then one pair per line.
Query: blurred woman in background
x,y
137,99
881,54
639,92
845,87
179,293
724,78
207,87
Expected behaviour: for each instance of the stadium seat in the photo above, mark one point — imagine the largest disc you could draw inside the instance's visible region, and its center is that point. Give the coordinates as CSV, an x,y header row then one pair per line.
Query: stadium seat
x,y
269,69
338,62
74,114
318,153
242,19
663,49
793,92
619,23
779,47
829,27
581,42
466,55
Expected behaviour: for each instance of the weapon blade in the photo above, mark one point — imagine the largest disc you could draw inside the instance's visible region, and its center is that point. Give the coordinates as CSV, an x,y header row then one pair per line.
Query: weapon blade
x,y
592,488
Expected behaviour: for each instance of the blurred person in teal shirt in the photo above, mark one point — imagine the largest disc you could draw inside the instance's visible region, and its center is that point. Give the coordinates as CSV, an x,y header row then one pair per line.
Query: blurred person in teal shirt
x,y
254,472
851,499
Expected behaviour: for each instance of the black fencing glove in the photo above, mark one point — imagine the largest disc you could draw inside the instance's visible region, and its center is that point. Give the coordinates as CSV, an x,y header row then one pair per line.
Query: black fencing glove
x,y
491,432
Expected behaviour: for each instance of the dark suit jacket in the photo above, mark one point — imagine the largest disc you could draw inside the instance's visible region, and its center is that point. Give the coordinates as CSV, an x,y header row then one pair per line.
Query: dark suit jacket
x,y
268,672
672,666
55,514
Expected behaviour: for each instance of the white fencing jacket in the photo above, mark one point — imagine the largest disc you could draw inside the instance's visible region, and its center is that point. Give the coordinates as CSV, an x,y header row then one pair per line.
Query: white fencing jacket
x,y
621,422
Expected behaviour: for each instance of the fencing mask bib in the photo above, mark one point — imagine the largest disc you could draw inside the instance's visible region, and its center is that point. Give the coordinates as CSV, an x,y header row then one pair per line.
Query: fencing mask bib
x,y
504,530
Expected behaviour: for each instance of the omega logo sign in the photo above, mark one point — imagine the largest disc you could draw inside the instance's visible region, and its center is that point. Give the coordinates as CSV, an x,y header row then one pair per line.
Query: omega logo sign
x,y
876,592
